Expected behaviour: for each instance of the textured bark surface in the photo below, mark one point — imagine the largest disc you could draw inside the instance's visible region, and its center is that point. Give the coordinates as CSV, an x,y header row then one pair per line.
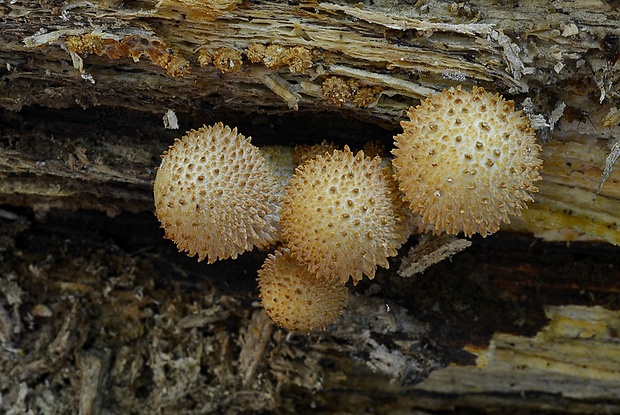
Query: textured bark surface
x,y
100,315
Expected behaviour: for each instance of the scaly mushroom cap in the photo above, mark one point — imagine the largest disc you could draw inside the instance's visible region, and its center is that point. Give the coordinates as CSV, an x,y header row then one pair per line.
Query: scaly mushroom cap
x,y
466,161
338,217
296,300
280,164
214,196
305,152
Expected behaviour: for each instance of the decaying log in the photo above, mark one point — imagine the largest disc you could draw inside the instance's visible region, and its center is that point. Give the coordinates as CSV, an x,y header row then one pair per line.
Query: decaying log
x,y
100,315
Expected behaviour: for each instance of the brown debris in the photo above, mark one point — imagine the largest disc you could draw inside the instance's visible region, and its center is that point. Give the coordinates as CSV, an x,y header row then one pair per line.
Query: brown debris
x,y
227,59
365,96
256,52
134,47
254,344
296,58
305,152
375,149
93,369
337,91
197,9
84,44
204,57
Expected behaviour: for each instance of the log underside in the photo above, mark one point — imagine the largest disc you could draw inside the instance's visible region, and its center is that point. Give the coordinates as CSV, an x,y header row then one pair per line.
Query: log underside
x,y
100,315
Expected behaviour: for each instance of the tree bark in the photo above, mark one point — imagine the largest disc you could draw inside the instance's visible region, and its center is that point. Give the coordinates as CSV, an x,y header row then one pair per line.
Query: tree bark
x,y
100,315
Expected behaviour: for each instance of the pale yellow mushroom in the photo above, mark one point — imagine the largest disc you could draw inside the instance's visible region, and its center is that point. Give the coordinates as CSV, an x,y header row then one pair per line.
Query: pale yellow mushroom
x,y
466,161
339,216
215,196
296,300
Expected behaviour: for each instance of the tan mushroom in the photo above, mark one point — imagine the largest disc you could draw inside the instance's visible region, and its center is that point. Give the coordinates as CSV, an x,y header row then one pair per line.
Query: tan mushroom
x,y
338,216
296,300
214,195
466,161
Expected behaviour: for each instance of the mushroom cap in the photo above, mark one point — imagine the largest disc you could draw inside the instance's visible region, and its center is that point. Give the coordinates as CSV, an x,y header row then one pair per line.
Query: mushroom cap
x,y
213,194
338,216
296,300
305,152
279,162
466,161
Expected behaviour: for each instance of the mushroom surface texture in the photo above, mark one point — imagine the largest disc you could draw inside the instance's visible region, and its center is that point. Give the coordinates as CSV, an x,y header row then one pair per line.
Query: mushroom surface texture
x,y
466,161
305,152
339,217
214,195
295,300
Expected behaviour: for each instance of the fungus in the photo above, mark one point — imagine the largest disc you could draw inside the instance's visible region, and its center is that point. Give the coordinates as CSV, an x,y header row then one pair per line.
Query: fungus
x,y
305,152
227,59
466,161
214,195
338,216
336,91
295,300
279,160
132,46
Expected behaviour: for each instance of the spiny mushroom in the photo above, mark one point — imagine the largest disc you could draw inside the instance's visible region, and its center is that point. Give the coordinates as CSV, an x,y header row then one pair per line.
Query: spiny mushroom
x,y
466,161
338,216
305,152
295,300
214,195
280,164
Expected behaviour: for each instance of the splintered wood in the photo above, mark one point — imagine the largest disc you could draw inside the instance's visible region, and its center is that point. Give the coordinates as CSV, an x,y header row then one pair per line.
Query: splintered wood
x,y
429,251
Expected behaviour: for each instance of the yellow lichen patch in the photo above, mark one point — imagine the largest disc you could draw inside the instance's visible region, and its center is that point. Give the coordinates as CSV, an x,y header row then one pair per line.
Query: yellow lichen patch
x,y
338,91
580,342
227,59
338,216
612,118
466,161
568,206
296,300
296,58
214,195
133,47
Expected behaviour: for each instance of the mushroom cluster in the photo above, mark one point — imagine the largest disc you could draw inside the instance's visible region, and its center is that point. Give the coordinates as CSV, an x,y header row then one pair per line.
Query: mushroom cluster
x,y
465,162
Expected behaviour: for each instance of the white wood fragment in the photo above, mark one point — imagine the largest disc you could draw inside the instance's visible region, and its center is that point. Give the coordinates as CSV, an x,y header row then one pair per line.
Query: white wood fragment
x,y
609,164
171,122
283,89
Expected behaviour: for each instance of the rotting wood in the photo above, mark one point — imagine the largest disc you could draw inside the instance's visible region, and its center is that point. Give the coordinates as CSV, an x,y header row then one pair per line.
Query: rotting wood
x,y
409,49
177,335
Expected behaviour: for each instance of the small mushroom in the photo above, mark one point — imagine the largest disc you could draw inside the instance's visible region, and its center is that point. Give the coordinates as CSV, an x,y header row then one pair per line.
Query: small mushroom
x,y
466,161
296,300
339,216
215,196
